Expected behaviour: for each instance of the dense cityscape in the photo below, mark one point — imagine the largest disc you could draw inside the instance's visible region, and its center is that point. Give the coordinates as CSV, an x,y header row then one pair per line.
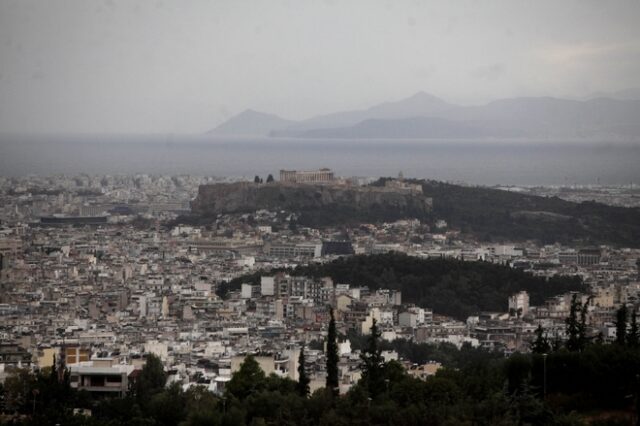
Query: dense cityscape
x,y
98,274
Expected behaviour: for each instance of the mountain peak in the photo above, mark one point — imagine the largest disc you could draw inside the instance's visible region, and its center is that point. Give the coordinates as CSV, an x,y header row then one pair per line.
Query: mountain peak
x,y
424,96
419,104
630,94
251,123
252,112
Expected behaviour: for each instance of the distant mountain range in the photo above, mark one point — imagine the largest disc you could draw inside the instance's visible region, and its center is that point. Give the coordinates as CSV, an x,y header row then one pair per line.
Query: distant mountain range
x,y
251,123
424,116
632,94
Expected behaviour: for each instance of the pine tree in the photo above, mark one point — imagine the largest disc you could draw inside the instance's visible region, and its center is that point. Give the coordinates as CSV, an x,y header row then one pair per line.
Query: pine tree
x,y
541,344
621,325
633,338
332,357
372,363
249,379
303,380
270,178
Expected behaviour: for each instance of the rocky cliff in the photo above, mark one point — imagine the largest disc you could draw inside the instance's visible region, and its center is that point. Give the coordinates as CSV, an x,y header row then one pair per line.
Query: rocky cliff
x,y
245,197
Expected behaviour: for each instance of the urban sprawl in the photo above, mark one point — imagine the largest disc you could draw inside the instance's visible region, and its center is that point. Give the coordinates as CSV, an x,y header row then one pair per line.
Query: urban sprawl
x,y
97,274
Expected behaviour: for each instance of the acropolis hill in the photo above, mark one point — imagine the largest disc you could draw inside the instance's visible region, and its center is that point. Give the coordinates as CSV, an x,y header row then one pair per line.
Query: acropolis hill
x,y
245,197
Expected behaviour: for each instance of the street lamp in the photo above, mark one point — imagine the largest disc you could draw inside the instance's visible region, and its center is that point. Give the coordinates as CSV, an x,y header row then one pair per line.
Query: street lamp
x,y
35,393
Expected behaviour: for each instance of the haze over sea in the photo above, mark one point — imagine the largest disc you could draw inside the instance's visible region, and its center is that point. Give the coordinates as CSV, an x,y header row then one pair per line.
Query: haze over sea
x,y
475,161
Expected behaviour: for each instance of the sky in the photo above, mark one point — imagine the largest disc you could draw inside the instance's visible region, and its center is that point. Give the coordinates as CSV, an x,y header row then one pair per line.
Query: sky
x,y
184,66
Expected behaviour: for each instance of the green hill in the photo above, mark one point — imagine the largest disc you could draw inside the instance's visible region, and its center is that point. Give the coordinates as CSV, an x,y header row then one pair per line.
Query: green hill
x,y
494,215
450,287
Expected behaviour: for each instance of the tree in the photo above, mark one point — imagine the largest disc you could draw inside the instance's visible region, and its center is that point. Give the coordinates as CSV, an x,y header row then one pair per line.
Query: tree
x,y
373,364
633,339
248,379
256,179
52,395
18,391
448,286
303,380
526,409
576,328
621,325
541,343
332,356
518,371
582,336
201,407
556,343
573,325
270,178
168,407
151,380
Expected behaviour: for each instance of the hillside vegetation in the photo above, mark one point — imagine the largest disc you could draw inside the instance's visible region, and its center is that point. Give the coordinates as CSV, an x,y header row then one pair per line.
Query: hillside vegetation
x,y
450,287
595,387
494,215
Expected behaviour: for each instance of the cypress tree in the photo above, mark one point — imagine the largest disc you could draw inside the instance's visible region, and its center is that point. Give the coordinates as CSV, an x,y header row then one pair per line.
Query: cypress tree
x,y
332,357
632,337
573,325
373,363
582,331
303,380
621,325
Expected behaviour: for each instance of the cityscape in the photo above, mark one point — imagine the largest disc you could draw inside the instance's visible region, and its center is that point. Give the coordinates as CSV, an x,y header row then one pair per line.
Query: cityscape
x,y
319,213
100,272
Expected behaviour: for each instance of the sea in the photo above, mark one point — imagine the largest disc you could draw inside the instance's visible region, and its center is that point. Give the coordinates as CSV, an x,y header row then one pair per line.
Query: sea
x,y
479,162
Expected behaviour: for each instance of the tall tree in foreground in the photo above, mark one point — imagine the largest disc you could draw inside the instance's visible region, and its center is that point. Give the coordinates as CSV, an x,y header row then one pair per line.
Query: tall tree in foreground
x,y
249,379
573,326
151,380
332,356
577,328
632,338
303,380
621,325
372,363
541,343
582,337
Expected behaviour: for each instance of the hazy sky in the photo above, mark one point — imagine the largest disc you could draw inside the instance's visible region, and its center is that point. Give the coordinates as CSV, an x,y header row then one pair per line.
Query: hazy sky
x,y
126,66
